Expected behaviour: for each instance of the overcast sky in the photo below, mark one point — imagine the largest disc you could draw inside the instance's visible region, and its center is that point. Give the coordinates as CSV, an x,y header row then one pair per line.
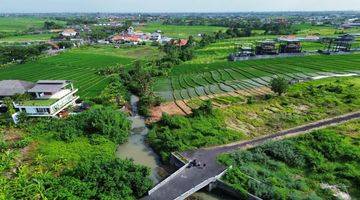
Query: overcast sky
x,y
175,5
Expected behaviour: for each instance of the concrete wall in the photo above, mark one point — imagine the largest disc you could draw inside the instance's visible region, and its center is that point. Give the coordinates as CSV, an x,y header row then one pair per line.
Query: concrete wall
x,y
176,161
228,189
162,183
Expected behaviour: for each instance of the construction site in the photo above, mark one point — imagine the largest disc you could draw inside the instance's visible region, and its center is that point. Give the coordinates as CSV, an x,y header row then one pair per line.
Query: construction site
x,y
291,46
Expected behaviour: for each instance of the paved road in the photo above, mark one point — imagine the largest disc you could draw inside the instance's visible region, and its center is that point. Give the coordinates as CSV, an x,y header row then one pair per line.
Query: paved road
x,y
190,177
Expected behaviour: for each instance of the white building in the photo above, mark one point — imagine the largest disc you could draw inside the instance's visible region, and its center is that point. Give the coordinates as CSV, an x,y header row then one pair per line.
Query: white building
x,y
155,36
69,33
49,98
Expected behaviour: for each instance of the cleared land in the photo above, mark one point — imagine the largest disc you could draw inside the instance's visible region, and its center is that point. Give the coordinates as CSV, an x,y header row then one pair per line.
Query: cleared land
x,y
79,65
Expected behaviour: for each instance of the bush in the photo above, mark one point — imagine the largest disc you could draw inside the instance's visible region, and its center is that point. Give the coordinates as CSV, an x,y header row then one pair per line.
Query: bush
x,y
279,85
104,121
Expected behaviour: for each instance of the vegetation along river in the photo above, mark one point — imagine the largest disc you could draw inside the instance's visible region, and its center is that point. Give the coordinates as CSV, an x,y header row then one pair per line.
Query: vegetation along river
x,y
137,150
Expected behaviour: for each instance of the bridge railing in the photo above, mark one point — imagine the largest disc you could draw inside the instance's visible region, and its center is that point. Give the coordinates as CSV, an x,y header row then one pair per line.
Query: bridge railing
x,y
167,179
200,186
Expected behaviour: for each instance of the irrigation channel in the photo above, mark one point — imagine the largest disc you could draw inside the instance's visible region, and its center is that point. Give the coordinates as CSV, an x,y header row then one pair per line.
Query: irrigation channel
x,y
138,150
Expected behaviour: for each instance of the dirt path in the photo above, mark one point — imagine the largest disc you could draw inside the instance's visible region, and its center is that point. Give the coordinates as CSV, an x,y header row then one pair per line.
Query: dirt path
x,y
173,108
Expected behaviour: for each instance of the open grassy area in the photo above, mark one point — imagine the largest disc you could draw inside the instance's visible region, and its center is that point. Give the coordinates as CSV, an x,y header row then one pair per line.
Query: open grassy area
x,y
27,38
304,167
193,80
323,30
18,24
79,65
247,119
175,31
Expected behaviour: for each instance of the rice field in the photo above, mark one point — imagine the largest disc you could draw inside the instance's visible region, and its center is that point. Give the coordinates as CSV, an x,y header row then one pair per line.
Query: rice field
x,y
78,65
191,81
175,31
27,38
18,24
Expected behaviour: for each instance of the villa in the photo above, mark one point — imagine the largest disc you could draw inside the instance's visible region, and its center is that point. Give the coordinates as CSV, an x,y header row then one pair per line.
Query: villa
x,y
48,98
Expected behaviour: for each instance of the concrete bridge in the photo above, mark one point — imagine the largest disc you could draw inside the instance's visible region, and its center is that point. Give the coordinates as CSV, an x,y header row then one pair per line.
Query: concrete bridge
x,y
188,180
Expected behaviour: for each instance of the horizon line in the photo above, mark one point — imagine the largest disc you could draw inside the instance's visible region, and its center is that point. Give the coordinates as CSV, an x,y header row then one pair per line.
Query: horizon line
x,y
176,12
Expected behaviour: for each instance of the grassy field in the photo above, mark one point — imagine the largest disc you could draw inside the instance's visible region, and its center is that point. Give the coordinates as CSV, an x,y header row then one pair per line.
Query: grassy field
x,y
18,24
194,80
174,31
27,38
323,30
300,167
79,65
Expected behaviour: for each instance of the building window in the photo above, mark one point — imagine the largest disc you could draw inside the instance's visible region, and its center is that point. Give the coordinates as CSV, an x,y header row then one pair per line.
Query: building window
x,y
42,110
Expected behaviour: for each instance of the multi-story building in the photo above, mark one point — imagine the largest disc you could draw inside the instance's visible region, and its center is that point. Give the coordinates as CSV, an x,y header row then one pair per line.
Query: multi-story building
x,y
48,98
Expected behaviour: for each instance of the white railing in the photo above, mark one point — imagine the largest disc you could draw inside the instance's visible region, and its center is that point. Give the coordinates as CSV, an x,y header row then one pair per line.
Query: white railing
x,y
162,183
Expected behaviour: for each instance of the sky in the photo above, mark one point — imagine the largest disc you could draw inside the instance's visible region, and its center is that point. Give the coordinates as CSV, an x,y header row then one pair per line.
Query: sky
x,y
10,6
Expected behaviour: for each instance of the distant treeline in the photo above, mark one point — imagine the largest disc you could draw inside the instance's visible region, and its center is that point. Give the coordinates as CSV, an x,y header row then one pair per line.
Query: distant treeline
x,y
20,53
272,27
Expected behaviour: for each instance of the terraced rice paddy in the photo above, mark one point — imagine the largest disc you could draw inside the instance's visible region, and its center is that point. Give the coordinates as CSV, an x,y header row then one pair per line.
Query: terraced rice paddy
x,y
78,65
195,81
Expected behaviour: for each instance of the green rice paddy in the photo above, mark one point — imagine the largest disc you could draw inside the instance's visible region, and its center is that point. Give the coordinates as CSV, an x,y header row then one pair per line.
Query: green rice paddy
x,y
188,81
27,38
18,24
78,65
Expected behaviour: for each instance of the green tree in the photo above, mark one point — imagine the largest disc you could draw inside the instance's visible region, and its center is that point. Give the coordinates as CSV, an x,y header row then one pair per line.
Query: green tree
x,y
279,85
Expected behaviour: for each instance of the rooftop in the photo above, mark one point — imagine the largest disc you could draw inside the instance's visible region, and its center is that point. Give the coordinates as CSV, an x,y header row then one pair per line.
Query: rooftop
x,y
12,87
48,86
39,102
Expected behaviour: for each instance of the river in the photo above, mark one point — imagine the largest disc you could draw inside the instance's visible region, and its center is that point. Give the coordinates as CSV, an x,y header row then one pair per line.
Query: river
x,y
136,147
138,150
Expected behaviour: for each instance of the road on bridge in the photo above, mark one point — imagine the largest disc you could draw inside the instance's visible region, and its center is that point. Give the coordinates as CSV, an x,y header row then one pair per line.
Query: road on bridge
x,y
189,178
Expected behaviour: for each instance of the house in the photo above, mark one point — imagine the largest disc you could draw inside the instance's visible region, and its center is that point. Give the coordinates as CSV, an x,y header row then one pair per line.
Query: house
x,y
69,33
155,36
10,88
116,38
135,39
130,30
180,43
164,40
48,98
